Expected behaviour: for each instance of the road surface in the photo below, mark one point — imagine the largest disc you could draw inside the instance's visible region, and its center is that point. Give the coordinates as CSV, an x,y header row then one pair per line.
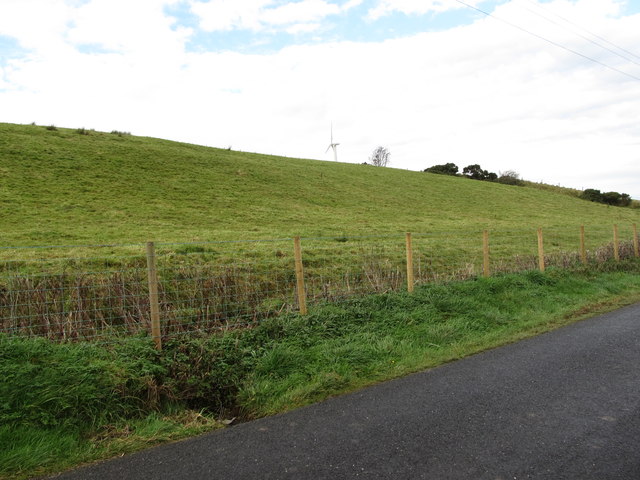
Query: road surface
x,y
564,405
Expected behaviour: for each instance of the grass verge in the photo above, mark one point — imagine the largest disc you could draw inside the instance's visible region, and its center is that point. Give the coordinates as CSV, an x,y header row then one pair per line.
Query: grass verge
x,y
68,404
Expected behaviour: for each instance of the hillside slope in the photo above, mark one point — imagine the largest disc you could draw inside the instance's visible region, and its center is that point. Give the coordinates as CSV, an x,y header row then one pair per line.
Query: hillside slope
x,y
60,186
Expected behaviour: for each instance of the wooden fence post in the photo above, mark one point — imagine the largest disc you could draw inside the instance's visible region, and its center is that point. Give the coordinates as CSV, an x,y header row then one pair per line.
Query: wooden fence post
x,y
410,280
583,248
616,244
154,310
485,253
302,296
636,251
540,250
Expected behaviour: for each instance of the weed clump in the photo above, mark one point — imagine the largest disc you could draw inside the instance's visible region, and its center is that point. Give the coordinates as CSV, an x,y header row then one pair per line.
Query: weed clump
x,y
74,385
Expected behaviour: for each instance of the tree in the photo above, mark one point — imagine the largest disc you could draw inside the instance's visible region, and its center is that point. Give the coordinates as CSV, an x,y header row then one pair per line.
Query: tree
x,y
510,177
625,200
610,198
592,195
446,169
476,172
380,157
616,199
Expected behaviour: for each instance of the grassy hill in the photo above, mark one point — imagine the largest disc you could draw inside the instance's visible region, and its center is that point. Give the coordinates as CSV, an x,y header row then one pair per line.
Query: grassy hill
x,y
62,186
78,187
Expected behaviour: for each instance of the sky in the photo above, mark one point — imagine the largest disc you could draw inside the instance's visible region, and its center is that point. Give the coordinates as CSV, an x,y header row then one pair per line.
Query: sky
x,y
549,89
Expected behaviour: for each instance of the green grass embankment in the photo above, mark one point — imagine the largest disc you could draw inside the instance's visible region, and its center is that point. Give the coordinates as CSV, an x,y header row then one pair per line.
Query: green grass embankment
x,y
66,404
62,187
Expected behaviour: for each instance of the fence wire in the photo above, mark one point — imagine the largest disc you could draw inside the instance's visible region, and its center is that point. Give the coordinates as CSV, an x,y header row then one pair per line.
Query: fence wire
x,y
60,294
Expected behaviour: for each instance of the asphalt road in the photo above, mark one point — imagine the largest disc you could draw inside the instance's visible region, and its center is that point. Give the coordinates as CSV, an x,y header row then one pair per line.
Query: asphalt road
x,y
564,405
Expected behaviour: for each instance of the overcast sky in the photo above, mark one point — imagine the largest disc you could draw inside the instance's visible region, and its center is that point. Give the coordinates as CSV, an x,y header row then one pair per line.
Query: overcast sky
x,y
550,89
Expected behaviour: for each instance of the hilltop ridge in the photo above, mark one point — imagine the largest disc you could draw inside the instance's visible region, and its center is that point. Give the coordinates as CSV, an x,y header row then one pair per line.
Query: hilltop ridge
x,y
80,186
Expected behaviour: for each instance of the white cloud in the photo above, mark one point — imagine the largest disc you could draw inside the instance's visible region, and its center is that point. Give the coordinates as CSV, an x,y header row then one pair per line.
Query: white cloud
x,y
118,25
125,26
224,15
41,31
303,28
352,4
411,7
299,12
221,15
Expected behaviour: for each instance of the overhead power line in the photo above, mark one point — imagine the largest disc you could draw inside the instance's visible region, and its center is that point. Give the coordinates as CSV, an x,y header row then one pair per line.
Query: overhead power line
x,y
555,44
585,37
585,30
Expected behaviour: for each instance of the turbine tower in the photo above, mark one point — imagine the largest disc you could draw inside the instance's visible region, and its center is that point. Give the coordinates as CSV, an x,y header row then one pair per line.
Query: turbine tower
x,y
334,146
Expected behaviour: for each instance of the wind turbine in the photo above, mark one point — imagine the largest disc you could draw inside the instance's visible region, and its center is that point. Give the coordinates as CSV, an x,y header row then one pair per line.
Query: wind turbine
x,y
334,146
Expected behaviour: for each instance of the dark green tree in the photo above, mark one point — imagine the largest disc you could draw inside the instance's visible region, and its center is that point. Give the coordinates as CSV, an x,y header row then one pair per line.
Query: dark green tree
x,y
446,169
592,195
476,172
609,198
625,200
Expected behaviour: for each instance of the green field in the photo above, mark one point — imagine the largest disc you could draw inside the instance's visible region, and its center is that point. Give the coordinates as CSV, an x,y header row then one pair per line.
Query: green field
x,y
223,223
63,187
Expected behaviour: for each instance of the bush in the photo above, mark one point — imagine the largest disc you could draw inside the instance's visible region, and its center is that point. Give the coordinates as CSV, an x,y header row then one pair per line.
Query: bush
x,y
608,198
592,195
446,169
204,372
510,177
617,199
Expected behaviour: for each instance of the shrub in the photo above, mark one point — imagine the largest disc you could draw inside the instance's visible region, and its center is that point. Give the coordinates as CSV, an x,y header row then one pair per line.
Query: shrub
x,y
609,198
446,169
204,372
592,195
510,177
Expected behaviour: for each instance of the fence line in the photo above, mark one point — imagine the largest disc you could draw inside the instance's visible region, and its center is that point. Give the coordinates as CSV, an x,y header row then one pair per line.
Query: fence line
x,y
302,294
154,310
172,289
486,257
409,250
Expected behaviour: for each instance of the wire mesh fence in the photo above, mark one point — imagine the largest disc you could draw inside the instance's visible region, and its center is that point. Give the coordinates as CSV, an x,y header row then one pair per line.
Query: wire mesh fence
x,y
57,293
